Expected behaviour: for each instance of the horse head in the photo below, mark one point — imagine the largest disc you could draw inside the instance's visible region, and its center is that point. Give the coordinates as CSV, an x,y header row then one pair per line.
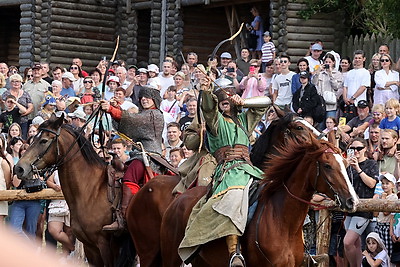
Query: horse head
x,y
331,177
44,150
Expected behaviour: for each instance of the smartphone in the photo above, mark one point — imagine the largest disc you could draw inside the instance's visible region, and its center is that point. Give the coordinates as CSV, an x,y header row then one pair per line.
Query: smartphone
x,y
398,147
342,121
252,69
230,70
326,66
350,153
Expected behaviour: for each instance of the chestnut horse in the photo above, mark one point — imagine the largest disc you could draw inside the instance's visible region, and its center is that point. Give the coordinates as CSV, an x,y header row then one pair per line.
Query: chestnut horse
x,y
274,235
83,178
147,207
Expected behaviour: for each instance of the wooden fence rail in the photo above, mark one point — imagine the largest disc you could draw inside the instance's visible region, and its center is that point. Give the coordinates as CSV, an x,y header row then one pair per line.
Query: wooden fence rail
x,y
48,193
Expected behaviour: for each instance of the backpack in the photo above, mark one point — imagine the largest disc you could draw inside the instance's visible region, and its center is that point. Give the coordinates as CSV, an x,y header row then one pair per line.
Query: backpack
x,y
320,110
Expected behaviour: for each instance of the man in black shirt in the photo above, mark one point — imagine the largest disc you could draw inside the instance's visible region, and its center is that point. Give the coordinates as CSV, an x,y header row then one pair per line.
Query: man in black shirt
x,y
191,106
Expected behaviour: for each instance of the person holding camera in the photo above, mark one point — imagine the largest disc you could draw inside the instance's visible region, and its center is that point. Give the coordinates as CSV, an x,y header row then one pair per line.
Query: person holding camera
x,y
363,174
254,84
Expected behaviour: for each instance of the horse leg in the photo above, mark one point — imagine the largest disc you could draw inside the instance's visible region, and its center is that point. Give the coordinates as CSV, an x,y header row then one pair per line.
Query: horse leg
x,y
104,245
93,256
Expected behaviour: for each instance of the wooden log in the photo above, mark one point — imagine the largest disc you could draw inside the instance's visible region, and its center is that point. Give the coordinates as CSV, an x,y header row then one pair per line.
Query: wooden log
x,y
84,28
84,35
82,48
366,205
98,23
82,41
84,7
324,235
48,193
80,13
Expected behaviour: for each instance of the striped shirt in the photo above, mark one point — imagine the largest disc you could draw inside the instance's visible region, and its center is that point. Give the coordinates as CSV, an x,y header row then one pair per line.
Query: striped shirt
x,y
267,50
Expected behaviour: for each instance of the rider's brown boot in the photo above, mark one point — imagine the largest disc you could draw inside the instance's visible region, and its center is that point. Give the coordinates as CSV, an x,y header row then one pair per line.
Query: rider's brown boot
x,y
235,258
119,224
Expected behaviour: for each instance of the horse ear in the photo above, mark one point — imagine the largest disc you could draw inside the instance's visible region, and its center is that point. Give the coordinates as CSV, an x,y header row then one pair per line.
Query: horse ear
x,y
281,113
58,121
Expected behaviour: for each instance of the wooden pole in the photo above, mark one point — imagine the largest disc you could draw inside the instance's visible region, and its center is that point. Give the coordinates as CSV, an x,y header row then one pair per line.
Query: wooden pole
x,y
48,193
323,236
370,205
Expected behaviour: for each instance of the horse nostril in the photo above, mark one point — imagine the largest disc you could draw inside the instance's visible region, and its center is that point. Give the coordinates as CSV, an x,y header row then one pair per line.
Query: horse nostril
x,y
350,203
18,170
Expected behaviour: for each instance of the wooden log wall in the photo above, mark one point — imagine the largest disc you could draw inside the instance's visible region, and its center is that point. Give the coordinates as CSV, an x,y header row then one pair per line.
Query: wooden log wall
x,y
84,29
121,29
174,42
293,35
26,42
132,38
155,32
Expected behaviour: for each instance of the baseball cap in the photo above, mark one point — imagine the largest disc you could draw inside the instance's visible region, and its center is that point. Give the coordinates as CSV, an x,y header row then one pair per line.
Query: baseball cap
x,y
266,33
78,114
68,75
226,55
316,47
305,74
142,70
37,66
113,79
389,177
362,104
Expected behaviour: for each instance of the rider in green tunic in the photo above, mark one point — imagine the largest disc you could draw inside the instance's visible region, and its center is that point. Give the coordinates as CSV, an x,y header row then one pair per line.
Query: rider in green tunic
x,y
224,214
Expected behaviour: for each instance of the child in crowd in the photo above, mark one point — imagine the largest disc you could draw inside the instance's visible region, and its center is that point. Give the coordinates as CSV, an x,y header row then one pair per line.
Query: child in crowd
x,y
176,157
391,121
376,252
12,114
395,235
383,221
170,104
267,50
48,107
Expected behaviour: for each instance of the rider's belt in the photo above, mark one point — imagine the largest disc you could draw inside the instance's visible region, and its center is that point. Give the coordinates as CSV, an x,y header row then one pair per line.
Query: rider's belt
x,y
227,153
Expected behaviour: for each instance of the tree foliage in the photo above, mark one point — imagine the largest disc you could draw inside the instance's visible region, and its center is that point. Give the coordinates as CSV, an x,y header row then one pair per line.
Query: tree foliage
x,y
367,16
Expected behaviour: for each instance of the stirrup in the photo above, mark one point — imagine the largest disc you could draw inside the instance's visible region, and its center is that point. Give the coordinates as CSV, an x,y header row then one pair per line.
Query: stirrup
x,y
237,255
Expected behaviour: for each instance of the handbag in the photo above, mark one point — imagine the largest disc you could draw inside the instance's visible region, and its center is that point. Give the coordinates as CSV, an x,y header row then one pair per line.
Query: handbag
x,y
34,185
58,208
252,40
329,97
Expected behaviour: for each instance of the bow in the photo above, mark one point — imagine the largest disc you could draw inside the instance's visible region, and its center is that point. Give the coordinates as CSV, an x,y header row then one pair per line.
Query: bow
x,y
103,89
226,40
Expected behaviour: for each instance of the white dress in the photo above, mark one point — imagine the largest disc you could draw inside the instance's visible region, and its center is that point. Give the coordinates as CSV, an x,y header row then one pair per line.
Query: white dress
x,y
381,78
3,204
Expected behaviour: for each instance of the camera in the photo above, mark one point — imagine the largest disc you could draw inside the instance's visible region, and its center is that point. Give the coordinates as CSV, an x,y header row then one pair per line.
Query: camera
x,y
230,69
326,66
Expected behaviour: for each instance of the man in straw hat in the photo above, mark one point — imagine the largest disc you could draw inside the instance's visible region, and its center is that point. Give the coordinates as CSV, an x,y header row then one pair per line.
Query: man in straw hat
x,y
145,127
228,138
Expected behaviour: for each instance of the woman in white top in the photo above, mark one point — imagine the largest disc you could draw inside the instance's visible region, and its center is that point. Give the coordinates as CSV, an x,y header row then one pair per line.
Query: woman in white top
x,y
387,81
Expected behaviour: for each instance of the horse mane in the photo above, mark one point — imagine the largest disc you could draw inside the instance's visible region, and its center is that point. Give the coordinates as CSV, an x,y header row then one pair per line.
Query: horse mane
x,y
281,166
265,141
84,144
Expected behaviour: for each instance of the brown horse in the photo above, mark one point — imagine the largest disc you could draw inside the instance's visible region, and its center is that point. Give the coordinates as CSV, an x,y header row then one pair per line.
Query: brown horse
x,y
84,184
146,209
274,235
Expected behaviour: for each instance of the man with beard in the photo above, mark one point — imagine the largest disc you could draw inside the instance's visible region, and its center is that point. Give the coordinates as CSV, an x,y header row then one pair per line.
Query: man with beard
x,y
227,135
166,78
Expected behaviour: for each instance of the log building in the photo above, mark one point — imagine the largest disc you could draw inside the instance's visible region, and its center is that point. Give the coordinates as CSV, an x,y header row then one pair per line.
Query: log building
x,y
56,31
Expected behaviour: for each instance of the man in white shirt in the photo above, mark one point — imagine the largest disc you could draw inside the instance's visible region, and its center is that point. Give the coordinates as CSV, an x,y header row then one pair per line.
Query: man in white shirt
x,y
357,80
119,96
121,74
166,78
313,61
282,84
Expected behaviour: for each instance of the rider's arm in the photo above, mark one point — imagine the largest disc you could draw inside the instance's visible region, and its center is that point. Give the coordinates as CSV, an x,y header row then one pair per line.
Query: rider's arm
x,y
209,106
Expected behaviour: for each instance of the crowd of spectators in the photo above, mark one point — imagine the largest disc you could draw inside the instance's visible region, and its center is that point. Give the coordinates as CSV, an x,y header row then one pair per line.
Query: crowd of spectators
x,y
360,106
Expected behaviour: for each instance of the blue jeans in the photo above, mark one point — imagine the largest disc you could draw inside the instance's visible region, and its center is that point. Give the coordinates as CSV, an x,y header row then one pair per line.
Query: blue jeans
x,y
28,211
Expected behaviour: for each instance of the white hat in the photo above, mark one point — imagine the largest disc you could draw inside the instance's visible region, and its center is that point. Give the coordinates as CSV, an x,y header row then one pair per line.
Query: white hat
x,y
113,79
78,114
37,120
389,177
226,55
142,70
153,68
68,75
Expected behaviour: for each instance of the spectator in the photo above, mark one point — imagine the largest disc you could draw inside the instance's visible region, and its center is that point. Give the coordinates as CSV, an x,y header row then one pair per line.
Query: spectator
x,y
112,84
4,71
192,60
257,28
254,84
131,74
56,89
376,254
76,71
328,80
22,97
189,78
373,141
78,62
5,181
191,107
226,57
243,62
357,81
302,65
152,71
142,80
305,100
78,118
395,235
386,80
388,156
28,76
383,221
45,72
176,156
37,88
48,107
181,90
170,104
392,121
67,84
373,67
268,50
12,114
166,78
121,74
363,173
344,67
57,73
314,62
119,147
378,113
357,126
119,98
268,74
282,84
233,73
173,137
383,49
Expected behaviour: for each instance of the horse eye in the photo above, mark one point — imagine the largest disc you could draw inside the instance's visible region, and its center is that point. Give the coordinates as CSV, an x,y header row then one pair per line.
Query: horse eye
x,y
299,128
43,141
327,166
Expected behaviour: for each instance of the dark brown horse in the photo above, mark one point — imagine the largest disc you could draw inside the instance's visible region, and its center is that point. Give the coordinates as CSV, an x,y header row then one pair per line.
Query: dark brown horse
x,y
146,209
274,235
84,184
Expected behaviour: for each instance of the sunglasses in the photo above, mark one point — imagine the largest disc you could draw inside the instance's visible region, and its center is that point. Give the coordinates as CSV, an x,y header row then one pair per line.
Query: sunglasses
x,y
284,61
255,66
74,68
87,81
29,76
376,113
385,60
358,148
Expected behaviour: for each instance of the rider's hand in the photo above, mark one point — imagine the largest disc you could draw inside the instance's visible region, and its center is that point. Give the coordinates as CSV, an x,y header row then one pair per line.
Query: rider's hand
x,y
237,100
104,105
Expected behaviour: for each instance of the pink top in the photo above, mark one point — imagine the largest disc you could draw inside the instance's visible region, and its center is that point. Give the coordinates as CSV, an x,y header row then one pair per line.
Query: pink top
x,y
253,86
